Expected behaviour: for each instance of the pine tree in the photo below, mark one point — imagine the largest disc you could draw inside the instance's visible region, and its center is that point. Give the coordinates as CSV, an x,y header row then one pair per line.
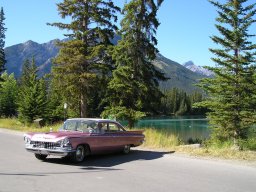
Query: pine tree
x,y
232,91
32,101
133,91
83,61
8,95
2,42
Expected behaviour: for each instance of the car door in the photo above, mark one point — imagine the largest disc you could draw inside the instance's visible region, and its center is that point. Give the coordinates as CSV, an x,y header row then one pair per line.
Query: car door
x,y
115,132
104,140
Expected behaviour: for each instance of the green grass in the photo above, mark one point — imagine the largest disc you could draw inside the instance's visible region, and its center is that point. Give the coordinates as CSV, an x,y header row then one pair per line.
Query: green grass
x,y
226,151
220,150
160,139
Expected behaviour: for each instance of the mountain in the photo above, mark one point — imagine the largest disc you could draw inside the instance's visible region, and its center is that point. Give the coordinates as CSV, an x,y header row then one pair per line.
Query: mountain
x,y
198,69
43,53
179,76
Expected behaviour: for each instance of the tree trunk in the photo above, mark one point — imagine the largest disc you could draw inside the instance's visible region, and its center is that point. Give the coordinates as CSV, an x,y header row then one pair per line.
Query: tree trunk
x,y
130,123
83,106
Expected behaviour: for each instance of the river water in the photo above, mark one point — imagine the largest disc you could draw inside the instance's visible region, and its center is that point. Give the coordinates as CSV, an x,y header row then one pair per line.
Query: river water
x,y
185,127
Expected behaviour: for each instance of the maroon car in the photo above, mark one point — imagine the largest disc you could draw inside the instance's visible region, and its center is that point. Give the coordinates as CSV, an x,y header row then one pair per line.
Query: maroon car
x,y
80,137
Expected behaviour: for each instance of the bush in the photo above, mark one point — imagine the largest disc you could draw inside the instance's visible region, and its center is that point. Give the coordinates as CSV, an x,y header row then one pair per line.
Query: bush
x,y
249,144
194,141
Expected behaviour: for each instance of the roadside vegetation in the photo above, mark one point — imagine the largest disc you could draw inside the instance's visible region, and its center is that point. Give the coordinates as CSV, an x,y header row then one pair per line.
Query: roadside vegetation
x,y
212,148
222,150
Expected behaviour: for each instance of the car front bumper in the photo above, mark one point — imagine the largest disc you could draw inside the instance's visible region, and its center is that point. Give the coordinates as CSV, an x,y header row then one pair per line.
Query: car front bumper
x,y
62,152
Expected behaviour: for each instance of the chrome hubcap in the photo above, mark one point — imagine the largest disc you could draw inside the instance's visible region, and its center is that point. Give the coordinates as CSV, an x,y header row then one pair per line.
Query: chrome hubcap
x,y
126,148
80,153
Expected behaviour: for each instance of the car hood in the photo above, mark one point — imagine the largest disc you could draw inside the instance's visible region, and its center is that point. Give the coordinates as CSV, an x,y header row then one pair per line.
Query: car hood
x,y
54,136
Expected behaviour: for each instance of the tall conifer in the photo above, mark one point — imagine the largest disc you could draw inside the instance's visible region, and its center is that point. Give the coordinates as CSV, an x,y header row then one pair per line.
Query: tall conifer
x,y
133,90
32,102
2,42
83,63
232,91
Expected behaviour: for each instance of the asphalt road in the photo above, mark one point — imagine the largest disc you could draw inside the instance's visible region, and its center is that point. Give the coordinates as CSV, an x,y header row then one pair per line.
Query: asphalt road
x,y
141,170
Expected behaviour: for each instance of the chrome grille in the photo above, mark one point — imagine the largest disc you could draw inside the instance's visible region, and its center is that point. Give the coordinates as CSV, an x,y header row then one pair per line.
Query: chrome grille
x,y
46,145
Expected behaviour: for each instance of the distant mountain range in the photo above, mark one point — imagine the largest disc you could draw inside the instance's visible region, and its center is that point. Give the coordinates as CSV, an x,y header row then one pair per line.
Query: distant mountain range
x,y
183,77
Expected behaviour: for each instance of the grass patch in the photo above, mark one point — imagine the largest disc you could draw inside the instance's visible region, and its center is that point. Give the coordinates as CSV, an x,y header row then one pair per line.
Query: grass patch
x,y
14,124
223,153
224,150
160,139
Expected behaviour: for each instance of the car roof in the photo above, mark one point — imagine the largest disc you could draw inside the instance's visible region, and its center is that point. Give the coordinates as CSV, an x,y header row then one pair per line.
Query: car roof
x,y
93,119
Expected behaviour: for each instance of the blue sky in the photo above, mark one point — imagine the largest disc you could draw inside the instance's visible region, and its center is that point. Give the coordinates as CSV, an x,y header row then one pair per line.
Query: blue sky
x,y
184,33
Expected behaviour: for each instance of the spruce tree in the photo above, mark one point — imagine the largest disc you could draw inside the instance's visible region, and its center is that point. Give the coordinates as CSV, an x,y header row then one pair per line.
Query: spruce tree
x,y
2,42
83,63
133,91
232,91
32,102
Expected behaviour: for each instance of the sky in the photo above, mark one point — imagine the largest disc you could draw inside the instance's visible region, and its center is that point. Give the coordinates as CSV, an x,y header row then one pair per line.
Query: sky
x,y
184,33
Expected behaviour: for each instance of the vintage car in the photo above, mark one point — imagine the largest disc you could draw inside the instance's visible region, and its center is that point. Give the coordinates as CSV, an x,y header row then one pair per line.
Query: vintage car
x,y
79,137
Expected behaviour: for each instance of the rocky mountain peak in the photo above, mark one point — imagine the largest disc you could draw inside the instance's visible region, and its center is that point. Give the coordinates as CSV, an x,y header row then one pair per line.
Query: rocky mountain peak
x,y
198,69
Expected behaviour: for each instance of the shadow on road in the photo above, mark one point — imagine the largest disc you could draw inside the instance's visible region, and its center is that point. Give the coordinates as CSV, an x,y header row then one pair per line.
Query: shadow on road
x,y
110,160
96,163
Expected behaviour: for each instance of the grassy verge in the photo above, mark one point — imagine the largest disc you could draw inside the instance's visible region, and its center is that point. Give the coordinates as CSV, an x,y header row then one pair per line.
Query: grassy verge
x,y
14,124
162,140
158,140
228,153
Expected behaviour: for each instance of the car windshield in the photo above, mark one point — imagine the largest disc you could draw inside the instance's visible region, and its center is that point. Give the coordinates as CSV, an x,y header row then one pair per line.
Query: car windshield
x,y
80,125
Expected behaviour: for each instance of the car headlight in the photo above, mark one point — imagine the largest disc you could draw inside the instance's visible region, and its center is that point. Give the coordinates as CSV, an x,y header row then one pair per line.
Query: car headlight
x,y
27,140
64,143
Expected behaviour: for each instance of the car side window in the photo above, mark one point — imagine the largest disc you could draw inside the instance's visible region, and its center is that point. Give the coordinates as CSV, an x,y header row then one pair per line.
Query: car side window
x,y
101,128
113,127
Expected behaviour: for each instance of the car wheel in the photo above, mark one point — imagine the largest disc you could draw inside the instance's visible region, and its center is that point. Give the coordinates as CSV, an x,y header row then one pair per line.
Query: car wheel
x,y
40,157
127,149
79,154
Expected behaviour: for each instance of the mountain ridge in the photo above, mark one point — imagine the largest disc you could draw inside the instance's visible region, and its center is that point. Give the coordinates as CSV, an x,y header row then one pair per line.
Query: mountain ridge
x,y
43,53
